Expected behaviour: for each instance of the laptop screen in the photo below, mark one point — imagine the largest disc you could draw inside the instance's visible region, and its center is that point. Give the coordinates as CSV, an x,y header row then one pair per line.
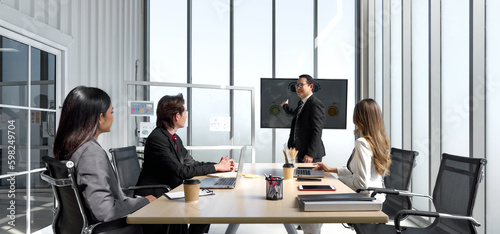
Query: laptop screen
x,y
241,163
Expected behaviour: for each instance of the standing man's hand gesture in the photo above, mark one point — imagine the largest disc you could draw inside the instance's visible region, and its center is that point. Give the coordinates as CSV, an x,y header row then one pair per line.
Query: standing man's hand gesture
x,y
285,102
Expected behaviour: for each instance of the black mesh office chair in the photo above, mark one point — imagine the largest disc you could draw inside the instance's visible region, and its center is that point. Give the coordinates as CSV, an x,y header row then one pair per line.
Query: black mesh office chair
x,y
70,214
453,198
403,162
128,169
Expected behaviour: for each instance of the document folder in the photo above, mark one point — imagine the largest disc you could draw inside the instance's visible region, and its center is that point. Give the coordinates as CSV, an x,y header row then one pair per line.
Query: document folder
x,y
338,202
177,195
336,197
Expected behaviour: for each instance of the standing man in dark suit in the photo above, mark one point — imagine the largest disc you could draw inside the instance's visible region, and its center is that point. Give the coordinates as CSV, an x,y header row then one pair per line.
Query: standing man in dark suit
x,y
307,122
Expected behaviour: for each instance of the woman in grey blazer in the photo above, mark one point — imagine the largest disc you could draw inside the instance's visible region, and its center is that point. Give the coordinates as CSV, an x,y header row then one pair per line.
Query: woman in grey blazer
x,y
87,112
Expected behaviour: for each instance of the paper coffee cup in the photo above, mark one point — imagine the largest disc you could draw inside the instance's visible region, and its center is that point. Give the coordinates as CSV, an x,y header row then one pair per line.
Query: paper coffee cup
x,y
191,190
288,171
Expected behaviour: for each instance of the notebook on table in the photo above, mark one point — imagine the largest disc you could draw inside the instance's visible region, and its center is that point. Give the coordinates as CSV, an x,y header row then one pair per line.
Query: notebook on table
x,y
335,197
226,182
307,172
338,202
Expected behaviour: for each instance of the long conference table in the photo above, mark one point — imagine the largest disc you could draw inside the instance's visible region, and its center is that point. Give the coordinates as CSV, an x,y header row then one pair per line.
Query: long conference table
x,y
247,204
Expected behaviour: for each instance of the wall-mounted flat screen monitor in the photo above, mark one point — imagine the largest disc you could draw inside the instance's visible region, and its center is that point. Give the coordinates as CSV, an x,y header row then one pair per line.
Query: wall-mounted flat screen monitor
x,y
332,92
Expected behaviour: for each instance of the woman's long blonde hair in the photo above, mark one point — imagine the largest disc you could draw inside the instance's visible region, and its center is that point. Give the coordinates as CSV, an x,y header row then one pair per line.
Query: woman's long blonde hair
x,y
368,120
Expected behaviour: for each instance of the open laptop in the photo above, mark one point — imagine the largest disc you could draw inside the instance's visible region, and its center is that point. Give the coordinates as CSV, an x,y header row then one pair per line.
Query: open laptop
x,y
307,172
226,182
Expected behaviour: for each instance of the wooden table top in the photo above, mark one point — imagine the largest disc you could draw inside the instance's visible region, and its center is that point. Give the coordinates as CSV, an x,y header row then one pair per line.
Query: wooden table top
x,y
247,204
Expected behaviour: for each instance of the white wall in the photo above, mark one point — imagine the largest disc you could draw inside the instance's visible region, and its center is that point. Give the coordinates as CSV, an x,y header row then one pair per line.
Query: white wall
x,y
102,42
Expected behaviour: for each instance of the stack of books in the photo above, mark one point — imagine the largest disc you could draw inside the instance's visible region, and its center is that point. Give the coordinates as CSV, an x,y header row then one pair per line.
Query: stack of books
x,y
338,202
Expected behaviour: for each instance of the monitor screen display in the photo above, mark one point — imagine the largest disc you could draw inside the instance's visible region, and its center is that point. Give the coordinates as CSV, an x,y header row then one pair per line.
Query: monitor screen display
x,y
332,92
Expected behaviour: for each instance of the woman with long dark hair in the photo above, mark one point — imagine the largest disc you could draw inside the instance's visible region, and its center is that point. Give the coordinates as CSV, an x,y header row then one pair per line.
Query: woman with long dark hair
x,y
87,112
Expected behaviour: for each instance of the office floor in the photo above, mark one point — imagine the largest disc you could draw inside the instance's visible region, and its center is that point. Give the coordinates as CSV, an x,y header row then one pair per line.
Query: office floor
x,y
336,228
255,229
276,229
263,228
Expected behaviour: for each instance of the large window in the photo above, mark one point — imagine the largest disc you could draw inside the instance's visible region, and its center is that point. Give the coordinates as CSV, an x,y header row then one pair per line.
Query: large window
x,y
455,76
447,86
212,56
492,114
396,75
420,100
168,42
28,72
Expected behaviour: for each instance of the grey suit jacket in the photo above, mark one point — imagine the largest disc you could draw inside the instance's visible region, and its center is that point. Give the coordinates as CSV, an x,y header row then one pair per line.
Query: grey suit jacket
x,y
100,188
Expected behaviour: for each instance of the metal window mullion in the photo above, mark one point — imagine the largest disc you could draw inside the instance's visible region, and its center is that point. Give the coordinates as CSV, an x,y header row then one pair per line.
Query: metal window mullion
x,y
477,95
386,65
231,71
189,78
371,50
315,37
273,146
406,28
147,49
252,124
28,149
26,108
361,34
435,130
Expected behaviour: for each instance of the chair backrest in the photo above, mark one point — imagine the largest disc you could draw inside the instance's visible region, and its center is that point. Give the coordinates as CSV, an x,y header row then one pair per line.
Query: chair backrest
x,y
403,162
455,191
127,166
70,214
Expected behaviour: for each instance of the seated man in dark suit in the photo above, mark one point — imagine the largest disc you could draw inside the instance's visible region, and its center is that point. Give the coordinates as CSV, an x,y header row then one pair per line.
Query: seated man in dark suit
x,y
166,161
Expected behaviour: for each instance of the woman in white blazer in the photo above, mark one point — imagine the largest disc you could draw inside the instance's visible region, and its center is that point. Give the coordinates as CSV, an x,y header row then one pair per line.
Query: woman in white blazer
x,y
370,159
87,112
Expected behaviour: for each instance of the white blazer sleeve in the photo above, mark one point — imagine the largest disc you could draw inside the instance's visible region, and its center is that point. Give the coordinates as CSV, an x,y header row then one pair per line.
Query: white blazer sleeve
x,y
360,165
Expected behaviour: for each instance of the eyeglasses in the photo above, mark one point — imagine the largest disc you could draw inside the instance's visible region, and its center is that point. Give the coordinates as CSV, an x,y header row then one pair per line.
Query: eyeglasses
x,y
300,85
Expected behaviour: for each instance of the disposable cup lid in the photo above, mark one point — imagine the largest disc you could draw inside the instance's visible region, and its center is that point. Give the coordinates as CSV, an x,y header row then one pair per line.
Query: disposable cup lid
x,y
275,178
192,181
288,165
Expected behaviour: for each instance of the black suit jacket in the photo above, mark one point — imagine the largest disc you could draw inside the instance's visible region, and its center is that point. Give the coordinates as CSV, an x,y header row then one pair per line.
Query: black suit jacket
x,y
309,128
165,165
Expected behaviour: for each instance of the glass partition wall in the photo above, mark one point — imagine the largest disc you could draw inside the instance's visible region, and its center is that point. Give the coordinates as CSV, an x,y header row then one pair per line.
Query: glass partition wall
x,y
216,131
28,74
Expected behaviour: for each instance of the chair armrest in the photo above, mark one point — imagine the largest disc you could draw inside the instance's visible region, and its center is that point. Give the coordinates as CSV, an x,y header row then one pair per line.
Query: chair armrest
x,y
106,226
396,192
149,187
375,191
56,182
402,214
